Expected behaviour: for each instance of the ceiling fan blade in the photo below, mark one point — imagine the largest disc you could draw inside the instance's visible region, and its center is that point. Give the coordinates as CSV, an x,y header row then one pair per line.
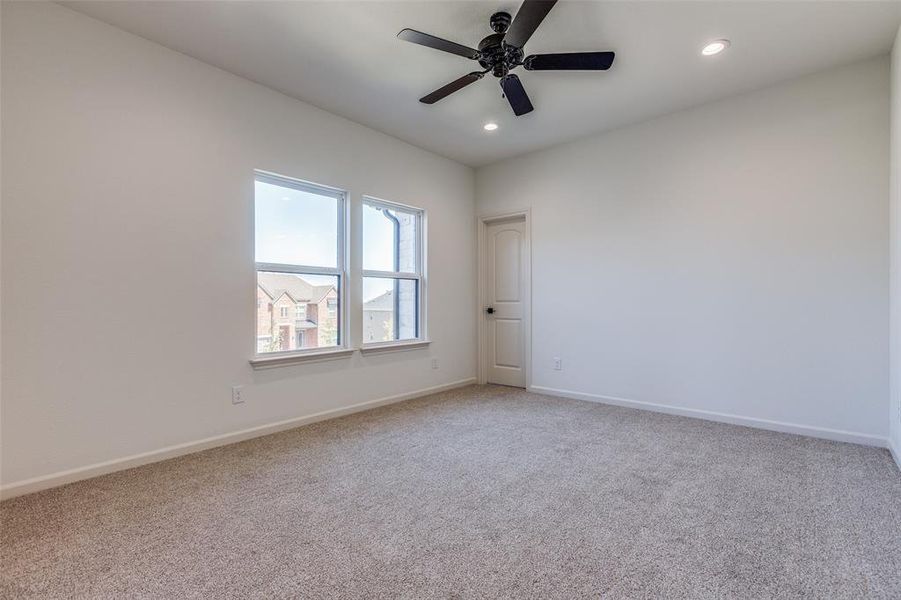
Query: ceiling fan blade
x,y
527,20
424,39
452,87
570,61
516,95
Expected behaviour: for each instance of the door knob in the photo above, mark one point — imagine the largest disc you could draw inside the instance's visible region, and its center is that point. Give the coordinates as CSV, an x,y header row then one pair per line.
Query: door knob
x,y
490,310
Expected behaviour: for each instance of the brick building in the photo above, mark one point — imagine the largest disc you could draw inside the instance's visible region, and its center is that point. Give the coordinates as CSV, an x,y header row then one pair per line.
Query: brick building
x,y
293,314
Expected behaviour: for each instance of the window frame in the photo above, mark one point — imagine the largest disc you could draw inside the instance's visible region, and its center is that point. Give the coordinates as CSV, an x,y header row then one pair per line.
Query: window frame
x,y
419,275
263,359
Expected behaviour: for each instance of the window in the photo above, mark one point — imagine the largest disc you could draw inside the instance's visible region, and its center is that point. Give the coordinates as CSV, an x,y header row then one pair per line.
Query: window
x,y
299,247
393,283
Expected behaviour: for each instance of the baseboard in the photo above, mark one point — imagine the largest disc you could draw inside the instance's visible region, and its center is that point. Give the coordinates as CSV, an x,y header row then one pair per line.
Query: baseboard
x,y
896,453
817,432
44,482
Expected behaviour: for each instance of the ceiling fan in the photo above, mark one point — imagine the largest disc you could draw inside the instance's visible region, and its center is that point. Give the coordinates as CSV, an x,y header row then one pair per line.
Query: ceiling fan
x,y
502,51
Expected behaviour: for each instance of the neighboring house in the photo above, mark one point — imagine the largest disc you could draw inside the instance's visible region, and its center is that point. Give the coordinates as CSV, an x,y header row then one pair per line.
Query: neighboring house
x,y
293,313
378,318
379,314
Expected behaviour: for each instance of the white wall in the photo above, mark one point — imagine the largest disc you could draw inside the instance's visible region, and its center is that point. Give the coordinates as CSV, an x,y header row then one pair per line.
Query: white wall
x,y
127,274
895,410
731,258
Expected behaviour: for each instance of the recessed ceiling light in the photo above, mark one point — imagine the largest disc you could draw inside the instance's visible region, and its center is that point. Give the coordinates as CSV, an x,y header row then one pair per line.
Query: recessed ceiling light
x,y
715,47
490,126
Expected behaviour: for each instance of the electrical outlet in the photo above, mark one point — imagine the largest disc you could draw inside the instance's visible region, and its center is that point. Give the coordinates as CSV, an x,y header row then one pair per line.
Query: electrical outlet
x,y
238,394
558,364
434,363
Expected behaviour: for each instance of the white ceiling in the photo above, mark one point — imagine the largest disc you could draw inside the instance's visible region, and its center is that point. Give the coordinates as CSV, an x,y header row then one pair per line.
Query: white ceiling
x,y
344,57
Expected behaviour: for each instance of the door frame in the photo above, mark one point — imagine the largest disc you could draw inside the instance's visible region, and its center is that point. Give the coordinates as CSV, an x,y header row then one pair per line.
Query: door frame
x,y
482,223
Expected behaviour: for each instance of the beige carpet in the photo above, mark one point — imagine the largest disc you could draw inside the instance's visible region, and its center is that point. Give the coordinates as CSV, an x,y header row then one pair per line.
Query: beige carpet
x,y
477,493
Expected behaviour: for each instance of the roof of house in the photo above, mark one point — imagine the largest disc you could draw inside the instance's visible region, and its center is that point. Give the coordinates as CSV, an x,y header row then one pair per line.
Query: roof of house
x,y
300,290
320,292
383,302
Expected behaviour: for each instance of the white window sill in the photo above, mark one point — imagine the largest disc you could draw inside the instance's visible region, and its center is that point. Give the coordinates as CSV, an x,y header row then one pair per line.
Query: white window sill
x,y
394,346
280,360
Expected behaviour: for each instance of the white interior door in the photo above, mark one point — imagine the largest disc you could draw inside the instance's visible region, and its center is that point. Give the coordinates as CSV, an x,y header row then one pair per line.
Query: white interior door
x,y
505,245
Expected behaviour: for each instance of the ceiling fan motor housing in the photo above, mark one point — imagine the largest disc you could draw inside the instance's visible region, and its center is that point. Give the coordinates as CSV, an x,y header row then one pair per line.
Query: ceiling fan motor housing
x,y
494,55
